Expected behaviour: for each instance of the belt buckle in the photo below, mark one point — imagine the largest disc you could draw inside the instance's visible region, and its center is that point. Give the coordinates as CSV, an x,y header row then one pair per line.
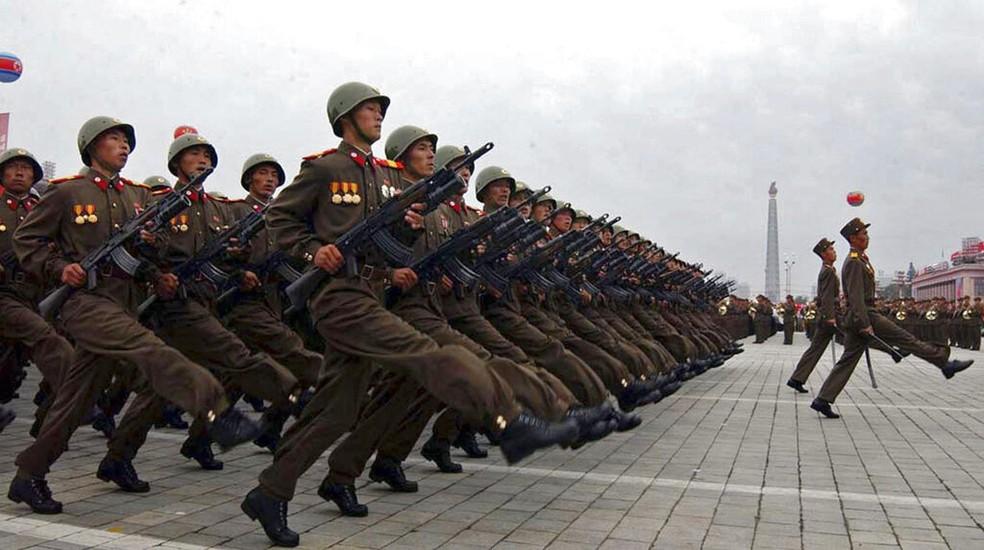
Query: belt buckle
x,y
367,271
106,270
431,287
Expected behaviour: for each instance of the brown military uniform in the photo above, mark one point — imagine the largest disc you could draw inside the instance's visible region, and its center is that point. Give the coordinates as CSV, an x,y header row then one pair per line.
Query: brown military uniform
x,y
858,277
20,323
73,218
828,288
358,331
189,324
256,316
788,323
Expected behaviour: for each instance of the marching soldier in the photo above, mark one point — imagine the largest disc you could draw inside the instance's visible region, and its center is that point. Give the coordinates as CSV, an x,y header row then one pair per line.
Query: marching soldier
x,y
862,321
73,218
20,290
255,315
305,220
828,290
763,319
187,320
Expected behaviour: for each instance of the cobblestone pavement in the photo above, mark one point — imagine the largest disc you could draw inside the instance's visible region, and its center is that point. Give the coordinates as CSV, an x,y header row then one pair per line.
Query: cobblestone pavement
x,y
733,460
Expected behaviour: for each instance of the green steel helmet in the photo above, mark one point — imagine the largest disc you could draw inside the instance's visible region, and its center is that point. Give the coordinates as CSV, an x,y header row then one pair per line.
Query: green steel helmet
x,y
16,153
96,126
187,141
403,137
520,189
618,230
347,97
547,198
157,182
566,206
256,160
490,174
582,215
447,153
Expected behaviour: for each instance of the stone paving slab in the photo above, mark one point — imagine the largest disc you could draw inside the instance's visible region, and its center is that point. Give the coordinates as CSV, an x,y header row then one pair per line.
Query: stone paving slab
x,y
733,460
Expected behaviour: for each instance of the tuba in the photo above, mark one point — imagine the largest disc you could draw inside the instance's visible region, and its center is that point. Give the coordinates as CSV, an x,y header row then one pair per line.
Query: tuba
x,y
966,314
810,314
931,315
900,315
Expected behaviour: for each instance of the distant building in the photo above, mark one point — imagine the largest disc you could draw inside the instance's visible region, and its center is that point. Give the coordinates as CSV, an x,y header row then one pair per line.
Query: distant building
x,y
962,276
48,167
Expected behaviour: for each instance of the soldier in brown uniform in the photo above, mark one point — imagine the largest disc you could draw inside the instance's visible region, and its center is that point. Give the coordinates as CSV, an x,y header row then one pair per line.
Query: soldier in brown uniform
x,y
333,191
20,324
828,290
788,320
188,321
74,217
861,321
255,315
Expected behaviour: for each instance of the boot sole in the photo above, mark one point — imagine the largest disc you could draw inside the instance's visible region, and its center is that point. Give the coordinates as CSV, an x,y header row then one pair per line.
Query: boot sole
x,y
18,500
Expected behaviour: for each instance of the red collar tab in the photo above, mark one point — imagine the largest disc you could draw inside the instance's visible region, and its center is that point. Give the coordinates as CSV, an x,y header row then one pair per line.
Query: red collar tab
x,y
104,183
196,196
456,206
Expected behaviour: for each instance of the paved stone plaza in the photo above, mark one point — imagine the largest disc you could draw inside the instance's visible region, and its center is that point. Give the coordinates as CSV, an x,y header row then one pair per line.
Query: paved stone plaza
x,y
733,460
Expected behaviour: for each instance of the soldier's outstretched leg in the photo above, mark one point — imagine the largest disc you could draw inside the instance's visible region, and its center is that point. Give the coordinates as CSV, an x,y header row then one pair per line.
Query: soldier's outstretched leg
x,y
822,336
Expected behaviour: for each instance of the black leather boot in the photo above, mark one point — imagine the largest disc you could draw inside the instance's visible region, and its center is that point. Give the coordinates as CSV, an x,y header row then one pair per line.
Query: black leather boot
x,y
527,433
104,423
232,428
955,366
467,442
823,408
389,471
439,452
797,385
200,450
273,424
35,493
255,402
625,421
122,473
344,497
272,514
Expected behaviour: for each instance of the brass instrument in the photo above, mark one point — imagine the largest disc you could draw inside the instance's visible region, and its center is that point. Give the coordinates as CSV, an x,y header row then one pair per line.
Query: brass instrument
x,y
810,314
752,311
966,314
781,310
900,315
931,315
723,309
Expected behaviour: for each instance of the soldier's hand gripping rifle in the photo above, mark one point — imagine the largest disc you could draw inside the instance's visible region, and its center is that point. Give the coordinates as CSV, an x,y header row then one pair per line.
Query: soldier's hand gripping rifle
x,y
375,227
152,219
278,263
203,263
487,265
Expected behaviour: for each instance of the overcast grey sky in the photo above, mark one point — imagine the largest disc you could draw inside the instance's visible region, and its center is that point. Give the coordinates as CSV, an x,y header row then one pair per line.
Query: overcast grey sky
x,y
674,116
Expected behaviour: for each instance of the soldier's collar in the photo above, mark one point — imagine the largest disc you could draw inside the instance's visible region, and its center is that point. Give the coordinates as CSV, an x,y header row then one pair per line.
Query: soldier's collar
x,y
358,156
104,182
256,201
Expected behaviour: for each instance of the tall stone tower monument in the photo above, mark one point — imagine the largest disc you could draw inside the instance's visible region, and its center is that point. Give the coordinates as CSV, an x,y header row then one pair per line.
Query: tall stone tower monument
x,y
772,249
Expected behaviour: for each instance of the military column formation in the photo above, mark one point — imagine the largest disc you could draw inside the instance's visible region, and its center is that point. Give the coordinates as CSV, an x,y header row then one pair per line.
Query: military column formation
x,y
365,298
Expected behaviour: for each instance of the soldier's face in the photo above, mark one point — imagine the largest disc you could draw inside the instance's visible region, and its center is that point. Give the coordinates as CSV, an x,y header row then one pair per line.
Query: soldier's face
x,y
194,159
829,255
860,240
497,193
110,150
562,222
579,224
368,119
17,176
419,159
541,211
264,180
605,237
465,174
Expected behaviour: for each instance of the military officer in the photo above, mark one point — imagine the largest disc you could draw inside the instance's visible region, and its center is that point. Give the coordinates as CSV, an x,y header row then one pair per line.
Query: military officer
x,y
862,321
788,320
333,191
74,217
828,290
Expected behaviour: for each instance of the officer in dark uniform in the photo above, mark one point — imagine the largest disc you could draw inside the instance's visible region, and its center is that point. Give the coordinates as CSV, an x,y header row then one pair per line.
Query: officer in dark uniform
x,y
828,290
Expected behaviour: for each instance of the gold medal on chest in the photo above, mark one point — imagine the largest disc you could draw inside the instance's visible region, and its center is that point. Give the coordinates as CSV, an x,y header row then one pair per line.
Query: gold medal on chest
x,y
90,210
79,218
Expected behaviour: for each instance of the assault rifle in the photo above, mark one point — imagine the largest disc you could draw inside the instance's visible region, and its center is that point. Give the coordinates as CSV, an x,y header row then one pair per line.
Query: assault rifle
x,y
153,219
203,263
275,263
374,228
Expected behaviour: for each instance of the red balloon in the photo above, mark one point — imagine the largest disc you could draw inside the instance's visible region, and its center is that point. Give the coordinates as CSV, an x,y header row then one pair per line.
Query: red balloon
x,y
182,130
855,198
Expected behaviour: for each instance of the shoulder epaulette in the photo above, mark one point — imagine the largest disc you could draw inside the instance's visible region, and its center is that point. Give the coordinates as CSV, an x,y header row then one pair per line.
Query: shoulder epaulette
x,y
134,184
854,255
321,154
226,200
162,191
56,181
387,162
